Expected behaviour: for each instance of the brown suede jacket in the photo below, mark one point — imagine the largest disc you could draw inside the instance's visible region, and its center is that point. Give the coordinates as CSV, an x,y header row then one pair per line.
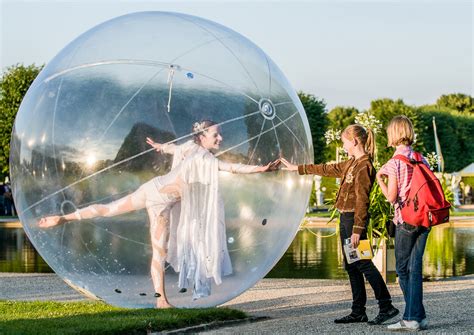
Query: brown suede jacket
x,y
357,177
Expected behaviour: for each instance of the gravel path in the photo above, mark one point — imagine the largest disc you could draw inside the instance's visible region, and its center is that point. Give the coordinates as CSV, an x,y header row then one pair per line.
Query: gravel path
x,y
295,306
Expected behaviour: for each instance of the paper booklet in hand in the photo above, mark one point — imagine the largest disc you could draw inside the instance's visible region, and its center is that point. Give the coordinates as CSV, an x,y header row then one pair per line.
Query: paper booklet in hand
x,y
363,251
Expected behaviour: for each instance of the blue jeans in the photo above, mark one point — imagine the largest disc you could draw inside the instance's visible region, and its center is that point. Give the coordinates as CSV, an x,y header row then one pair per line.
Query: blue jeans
x,y
410,242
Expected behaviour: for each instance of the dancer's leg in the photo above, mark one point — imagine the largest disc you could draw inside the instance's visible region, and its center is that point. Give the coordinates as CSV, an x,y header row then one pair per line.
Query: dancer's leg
x,y
159,230
129,203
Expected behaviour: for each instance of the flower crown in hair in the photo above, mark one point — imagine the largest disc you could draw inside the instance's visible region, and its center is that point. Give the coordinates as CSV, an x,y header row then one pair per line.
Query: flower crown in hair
x,y
199,127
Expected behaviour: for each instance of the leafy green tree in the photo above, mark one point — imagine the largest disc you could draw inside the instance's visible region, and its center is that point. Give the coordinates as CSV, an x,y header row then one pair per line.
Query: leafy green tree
x,y
341,117
454,131
460,102
14,83
315,111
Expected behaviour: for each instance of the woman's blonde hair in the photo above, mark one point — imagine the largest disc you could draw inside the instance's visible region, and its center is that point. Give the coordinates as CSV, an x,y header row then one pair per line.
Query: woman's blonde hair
x,y
365,136
400,131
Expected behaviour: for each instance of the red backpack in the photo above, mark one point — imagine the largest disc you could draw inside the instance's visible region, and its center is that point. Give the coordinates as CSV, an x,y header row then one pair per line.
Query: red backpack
x,y
425,205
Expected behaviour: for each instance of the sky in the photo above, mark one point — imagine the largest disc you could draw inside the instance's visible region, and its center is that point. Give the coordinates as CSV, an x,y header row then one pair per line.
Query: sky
x,y
345,52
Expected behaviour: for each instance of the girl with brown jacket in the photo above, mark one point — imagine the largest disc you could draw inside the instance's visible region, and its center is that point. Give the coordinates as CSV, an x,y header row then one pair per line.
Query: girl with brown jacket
x,y
352,201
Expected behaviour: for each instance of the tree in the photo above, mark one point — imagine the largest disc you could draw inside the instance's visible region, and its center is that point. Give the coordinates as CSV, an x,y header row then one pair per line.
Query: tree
x,y
457,101
454,131
315,111
14,83
341,117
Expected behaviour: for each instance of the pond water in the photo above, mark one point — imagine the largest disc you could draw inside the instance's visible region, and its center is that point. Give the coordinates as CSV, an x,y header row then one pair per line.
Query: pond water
x,y
17,254
449,252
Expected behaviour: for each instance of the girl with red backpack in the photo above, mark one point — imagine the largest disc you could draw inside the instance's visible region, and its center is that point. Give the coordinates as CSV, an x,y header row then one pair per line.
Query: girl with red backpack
x,y
410,239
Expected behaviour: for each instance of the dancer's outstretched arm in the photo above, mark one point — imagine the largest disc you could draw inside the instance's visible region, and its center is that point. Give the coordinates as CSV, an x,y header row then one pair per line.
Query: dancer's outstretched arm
x,y
243,168
159,147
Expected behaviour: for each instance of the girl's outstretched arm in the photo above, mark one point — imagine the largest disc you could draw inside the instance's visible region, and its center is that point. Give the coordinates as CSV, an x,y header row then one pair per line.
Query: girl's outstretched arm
x,y
328,170
288,165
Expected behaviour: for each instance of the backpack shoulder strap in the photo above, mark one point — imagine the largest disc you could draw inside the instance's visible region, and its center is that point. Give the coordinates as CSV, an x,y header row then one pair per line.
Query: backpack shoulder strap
x,y
403,159
417,156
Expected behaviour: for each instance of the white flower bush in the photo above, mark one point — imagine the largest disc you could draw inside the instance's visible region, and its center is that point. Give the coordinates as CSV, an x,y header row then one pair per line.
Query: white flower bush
x,y
332,135
369,121
433,160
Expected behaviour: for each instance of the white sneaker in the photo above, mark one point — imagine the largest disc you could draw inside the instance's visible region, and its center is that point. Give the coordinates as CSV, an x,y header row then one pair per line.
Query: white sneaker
x,y
424,324
405,325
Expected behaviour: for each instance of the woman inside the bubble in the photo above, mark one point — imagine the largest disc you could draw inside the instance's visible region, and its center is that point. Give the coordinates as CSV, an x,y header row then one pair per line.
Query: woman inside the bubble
x,y
185,210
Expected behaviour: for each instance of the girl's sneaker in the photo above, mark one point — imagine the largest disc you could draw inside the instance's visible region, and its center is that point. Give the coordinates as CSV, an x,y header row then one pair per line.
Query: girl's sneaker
x,y
405,325
384,316
424,324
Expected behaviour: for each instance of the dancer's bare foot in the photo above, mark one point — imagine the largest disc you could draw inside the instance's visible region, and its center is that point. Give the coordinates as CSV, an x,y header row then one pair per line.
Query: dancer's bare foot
x,y
163,303
51,221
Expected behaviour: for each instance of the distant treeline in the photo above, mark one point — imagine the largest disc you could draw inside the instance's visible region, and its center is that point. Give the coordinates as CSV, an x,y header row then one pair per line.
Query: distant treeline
x,y
454,115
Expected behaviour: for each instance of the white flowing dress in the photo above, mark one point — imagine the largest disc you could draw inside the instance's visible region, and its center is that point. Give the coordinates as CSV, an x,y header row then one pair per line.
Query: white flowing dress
x,y
188,199
197,246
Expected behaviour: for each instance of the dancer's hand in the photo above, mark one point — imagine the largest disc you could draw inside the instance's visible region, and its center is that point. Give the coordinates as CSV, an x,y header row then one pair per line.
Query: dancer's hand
x,y
50,221
157,146
288,165
273,166
263,168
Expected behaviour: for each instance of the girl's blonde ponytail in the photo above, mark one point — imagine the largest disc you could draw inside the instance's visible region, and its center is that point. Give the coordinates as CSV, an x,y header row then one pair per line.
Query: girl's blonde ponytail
x,y
370,145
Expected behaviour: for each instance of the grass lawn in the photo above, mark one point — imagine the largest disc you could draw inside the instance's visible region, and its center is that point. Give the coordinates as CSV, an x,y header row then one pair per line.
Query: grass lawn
x,y
20,317
462,213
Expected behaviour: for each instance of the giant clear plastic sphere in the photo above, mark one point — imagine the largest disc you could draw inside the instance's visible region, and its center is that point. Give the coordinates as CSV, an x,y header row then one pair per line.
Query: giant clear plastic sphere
x,y
79,139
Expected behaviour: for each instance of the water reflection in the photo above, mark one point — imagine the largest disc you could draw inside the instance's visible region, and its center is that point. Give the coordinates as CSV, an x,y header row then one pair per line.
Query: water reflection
x,y
449,252
17,254
311,255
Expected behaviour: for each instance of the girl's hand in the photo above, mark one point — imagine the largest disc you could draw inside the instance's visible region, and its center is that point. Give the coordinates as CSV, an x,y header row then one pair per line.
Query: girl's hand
x,y
155,145
380,173
288,165
355,238
380,177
